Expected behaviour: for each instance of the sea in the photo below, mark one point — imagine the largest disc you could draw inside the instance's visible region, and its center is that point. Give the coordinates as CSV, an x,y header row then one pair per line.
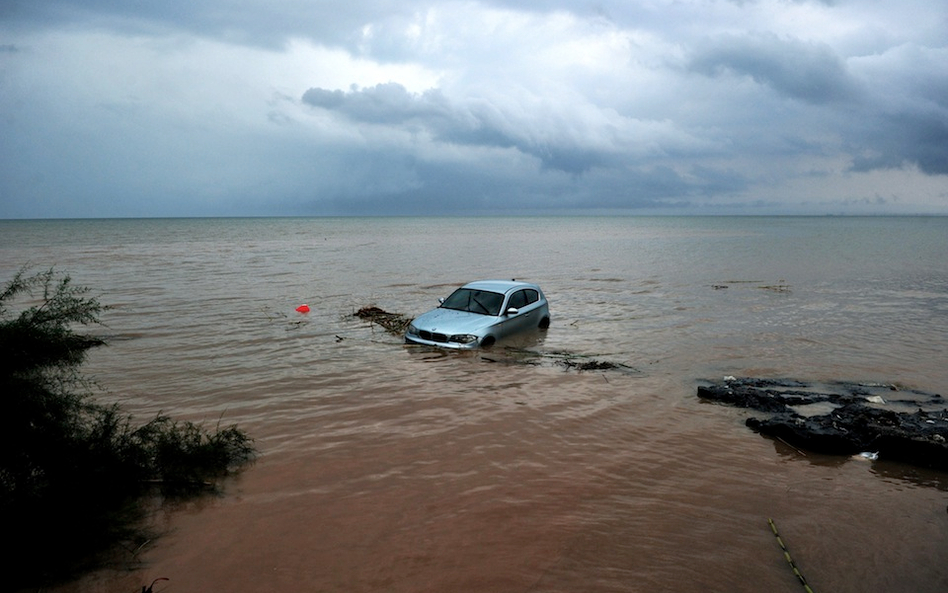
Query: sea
x,y
386,467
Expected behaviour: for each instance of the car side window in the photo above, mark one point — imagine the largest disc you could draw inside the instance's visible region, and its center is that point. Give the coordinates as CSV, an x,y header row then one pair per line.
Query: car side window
x,y
518,299
532,296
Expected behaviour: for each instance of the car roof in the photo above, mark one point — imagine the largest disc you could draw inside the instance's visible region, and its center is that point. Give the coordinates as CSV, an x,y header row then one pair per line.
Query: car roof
x,y
502,286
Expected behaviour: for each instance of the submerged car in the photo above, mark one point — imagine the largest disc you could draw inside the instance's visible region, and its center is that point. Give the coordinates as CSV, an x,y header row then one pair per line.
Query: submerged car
x,y
480,313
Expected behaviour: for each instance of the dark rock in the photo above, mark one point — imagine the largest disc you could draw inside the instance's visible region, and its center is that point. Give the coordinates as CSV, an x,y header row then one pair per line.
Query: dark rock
x,y
844,418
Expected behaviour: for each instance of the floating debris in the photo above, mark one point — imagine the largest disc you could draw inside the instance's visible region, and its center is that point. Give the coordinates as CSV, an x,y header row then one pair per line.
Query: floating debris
x,y
786,555
150,588
589,365
394,323
780,286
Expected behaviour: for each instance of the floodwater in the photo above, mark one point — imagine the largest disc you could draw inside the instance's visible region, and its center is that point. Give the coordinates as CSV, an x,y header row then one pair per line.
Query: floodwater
x,y
387,467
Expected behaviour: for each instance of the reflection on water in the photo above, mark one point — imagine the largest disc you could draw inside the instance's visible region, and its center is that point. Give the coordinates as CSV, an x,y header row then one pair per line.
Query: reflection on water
x,y
398,468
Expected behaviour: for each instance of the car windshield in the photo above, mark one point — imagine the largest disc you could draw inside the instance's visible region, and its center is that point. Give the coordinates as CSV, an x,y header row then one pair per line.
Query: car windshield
x,y
474,301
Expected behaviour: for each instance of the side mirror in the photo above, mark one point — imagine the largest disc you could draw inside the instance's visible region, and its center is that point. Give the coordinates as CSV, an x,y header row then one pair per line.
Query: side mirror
x,y
513,311
441,300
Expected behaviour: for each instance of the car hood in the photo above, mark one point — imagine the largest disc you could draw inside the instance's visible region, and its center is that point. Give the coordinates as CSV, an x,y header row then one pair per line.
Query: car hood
x,y
449,321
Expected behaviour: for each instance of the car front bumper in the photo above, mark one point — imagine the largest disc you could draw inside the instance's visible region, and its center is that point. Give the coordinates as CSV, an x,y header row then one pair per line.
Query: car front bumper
x,y
417,340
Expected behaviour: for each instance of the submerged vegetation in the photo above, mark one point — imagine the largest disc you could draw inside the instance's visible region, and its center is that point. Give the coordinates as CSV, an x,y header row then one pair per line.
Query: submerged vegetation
x,y
74,473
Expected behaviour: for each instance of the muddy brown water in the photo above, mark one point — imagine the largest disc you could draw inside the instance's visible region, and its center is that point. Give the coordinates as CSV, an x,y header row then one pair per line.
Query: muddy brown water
x,y
387,467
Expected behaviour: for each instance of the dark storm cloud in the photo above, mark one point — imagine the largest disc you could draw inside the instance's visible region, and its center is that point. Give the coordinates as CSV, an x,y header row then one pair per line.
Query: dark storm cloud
x,y
896,114
202,108
920,139
905,119
477,123
389,103
462,188
803,71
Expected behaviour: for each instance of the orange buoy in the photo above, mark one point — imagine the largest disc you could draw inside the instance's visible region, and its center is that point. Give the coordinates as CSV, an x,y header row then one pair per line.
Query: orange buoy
x,y
303,309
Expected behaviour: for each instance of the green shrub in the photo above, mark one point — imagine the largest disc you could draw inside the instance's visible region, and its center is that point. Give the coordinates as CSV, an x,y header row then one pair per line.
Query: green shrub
x,y
72,471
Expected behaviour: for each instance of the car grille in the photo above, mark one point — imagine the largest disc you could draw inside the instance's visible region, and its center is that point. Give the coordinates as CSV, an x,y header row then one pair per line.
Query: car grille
x,y
434,337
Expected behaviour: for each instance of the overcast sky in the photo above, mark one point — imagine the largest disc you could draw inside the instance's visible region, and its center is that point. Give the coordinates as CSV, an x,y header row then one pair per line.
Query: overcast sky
x,y
312,107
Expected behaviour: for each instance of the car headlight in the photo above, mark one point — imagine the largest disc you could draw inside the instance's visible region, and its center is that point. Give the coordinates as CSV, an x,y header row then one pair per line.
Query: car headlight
x,y
412,330
463,338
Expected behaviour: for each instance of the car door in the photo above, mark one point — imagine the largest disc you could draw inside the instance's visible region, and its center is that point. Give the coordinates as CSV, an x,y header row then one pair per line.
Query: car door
x,y
525,301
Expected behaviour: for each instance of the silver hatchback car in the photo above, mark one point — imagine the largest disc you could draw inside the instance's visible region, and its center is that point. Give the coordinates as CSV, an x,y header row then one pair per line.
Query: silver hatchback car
x,y
480,313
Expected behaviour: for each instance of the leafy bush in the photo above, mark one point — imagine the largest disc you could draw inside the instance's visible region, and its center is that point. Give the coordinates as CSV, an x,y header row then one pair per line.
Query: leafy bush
x,y
71,470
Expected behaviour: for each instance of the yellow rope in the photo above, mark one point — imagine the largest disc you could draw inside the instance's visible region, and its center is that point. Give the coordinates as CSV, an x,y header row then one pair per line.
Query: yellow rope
x,y
786,554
